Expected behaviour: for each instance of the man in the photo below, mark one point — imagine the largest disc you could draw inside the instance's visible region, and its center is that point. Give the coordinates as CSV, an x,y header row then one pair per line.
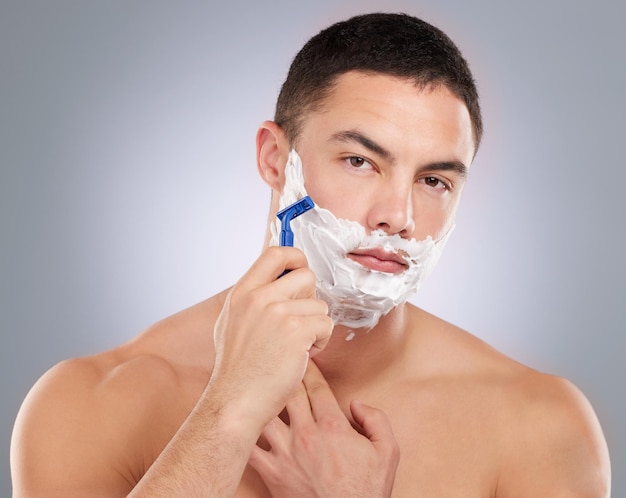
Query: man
x,y
324,381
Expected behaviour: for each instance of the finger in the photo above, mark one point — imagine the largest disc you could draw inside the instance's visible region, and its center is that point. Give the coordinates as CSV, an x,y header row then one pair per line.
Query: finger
x,y
298,307
313,332
305,320
272,262
276,433
323,334
296,284
322,400
262,461
375,424
299,408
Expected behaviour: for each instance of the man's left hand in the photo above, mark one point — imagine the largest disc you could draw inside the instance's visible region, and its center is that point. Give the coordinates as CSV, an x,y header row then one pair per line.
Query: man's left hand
x,y
320,454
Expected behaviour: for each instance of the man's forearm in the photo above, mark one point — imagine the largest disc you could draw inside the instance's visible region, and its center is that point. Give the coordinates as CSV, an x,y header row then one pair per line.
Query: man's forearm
x,y
206,457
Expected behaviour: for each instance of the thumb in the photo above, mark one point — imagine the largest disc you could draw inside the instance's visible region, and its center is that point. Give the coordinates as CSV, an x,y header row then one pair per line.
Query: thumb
x,y
374,423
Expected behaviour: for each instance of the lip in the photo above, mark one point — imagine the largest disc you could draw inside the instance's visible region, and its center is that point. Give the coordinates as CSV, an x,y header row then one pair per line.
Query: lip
x,y
379,260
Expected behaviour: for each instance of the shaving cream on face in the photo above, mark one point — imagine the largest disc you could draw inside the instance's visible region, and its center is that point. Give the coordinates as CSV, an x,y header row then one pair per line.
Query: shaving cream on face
x,y
357,296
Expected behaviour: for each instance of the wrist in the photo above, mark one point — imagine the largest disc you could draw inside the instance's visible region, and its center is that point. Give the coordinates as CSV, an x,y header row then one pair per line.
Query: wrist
x,y
235,411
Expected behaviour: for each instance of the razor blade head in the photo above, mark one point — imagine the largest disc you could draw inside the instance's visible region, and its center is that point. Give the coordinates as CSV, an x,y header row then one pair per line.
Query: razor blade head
x,y
296,209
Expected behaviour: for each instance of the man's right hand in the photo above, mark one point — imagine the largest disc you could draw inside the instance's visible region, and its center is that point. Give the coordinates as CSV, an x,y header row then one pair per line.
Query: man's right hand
x,y
267,330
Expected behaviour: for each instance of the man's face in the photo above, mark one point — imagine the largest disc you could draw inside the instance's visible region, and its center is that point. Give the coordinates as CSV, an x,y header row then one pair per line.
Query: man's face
x,y
388,155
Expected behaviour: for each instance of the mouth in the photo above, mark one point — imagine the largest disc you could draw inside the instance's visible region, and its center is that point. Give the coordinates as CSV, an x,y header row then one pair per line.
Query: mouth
x,y
378,259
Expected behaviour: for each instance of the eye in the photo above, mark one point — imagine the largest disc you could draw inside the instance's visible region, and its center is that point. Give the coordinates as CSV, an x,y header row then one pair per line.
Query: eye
x,y
434,182
358,162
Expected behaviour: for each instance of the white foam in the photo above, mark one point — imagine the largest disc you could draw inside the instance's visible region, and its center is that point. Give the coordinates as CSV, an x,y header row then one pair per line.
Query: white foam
x,y
357,296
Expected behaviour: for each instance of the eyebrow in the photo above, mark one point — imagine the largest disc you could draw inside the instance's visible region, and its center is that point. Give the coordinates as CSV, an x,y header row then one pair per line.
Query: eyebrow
x,y
358,137
456,166
368,143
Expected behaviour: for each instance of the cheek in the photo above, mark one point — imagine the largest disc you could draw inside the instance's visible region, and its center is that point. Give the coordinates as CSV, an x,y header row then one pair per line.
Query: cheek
x,y
433,217
345,202
328,191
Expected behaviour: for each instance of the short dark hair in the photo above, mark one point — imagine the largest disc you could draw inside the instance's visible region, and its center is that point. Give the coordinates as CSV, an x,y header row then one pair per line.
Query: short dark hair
x,y
394,44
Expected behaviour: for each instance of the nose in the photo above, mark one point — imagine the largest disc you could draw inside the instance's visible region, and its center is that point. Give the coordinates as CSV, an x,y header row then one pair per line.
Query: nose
x,y
392,210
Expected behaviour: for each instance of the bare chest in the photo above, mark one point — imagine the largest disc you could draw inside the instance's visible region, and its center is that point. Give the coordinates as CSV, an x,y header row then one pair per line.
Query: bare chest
x,y
448,447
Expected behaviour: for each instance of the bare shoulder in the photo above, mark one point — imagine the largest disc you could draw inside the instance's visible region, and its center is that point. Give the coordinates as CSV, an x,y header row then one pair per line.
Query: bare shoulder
x,y
97,423
76,431
550,442
557,440
539,431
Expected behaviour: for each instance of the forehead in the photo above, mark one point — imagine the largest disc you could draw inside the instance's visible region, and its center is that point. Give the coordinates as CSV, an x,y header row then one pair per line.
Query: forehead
x,y
393,110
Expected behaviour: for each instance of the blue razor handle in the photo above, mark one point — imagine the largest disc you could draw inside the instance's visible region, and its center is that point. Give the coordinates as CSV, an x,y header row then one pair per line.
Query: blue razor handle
x,y
286,215
289,213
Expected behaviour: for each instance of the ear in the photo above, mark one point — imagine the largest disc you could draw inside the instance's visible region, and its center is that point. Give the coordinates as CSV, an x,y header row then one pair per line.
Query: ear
x,y
272,151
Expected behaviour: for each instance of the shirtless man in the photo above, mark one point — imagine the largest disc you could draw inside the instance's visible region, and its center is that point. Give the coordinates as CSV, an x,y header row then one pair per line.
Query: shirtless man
x,y
258,392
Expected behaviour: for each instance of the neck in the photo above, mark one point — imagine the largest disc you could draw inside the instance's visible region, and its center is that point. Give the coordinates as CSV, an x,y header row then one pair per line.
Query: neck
x,y
355,358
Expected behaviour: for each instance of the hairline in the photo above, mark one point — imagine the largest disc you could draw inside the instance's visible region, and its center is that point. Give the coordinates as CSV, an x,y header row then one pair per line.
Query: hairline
x,y
323,94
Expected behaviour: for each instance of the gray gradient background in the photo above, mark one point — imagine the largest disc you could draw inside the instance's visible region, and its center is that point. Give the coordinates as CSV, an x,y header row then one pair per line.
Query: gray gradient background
x,y
128,187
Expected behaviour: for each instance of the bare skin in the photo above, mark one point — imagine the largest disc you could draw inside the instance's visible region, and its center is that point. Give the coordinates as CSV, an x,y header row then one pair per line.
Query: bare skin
x,y
416,407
